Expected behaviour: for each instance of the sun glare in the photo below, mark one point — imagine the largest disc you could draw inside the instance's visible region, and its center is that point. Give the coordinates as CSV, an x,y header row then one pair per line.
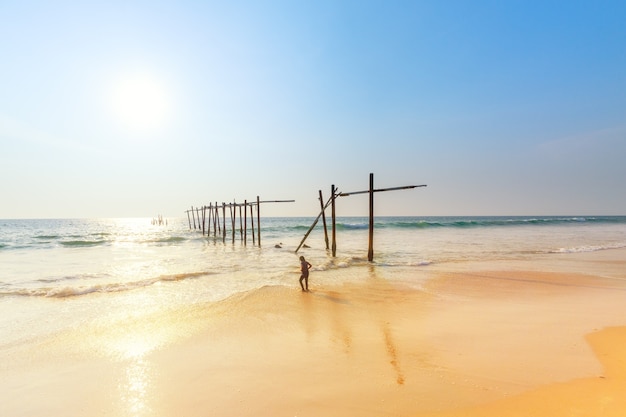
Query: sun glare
x,y
140,102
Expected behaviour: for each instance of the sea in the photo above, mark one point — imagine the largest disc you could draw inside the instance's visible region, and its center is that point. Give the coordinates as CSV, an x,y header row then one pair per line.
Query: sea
x,y
61,274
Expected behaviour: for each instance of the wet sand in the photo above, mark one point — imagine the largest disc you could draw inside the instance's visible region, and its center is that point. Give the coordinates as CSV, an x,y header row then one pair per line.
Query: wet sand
x,y
518,338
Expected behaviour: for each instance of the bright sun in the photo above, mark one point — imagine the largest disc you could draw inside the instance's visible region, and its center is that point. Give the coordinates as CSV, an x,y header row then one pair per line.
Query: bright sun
x,y
140,102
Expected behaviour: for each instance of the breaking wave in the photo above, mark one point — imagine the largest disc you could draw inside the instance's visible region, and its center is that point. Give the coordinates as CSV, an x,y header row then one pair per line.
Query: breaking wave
x,y
589,248
69,291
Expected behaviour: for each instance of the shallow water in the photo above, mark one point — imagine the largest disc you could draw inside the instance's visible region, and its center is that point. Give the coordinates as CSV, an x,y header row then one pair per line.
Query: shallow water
x,y
59,274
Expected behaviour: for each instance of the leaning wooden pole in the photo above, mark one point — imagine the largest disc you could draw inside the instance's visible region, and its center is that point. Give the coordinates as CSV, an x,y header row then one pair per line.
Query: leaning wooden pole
x,y
314,224
324,219
193,215
189,219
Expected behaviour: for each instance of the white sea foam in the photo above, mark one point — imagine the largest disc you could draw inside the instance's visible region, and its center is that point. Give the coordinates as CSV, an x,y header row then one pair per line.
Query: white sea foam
x,y
589,248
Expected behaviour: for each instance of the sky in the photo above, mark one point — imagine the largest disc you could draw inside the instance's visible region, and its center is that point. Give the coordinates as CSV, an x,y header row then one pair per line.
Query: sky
x,y
135,109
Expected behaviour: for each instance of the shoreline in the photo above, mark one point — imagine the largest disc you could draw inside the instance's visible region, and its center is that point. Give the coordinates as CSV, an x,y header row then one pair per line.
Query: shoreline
x,y
500,338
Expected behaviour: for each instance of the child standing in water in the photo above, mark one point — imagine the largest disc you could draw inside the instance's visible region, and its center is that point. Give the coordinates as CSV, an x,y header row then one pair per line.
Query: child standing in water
x,y
304,267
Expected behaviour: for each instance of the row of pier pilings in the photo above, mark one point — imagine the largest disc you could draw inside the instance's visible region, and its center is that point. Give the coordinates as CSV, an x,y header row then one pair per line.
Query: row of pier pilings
x,y
209,221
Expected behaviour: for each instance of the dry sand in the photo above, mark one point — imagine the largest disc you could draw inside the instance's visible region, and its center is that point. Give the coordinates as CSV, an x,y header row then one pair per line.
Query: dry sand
x,y
522,339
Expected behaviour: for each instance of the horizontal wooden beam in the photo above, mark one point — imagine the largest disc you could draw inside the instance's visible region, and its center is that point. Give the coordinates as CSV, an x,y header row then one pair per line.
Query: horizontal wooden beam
x,y
276,201
406,187
254,203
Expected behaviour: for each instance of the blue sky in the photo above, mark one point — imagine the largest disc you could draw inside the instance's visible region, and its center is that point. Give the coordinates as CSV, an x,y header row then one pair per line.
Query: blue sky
x,y
126,109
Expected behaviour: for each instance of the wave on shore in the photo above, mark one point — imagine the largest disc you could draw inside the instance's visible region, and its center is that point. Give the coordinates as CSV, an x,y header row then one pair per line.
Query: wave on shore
x,y
70,291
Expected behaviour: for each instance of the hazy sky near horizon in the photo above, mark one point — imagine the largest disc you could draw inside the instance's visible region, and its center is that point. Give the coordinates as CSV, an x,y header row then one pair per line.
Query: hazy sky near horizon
x,y
125,109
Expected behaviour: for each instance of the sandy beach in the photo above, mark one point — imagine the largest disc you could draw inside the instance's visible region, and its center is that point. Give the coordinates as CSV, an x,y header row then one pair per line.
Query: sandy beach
x,y
515,338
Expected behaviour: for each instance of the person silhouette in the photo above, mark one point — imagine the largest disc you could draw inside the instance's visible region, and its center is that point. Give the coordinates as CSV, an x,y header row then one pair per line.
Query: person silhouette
x,y
304,268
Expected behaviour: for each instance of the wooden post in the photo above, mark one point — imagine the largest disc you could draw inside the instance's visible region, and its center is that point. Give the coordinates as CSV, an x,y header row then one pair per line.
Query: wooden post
x,y
324,219
233,215
245,222
208,229
252,220
224,222
334,227
240,224
217,219
258,218
370,250
189,219
194,218
203,218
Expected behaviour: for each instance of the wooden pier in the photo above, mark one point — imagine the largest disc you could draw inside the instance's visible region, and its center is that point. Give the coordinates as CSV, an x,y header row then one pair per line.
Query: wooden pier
x,y
202,218
207,218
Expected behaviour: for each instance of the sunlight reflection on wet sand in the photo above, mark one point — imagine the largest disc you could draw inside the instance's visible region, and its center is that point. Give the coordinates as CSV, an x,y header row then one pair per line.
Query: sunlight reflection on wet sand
x,y
134,386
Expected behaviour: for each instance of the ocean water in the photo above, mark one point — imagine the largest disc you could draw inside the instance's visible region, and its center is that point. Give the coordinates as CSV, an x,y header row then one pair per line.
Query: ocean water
x,y
61,274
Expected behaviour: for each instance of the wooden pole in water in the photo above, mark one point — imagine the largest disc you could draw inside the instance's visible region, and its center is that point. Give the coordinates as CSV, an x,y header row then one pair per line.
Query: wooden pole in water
x,y
314,223
240,224
233,217
208,222
224,222
334,227
194,218
370,250
203,218
252,220
216,220
324,219
189,219
371,191
258,218
245,222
